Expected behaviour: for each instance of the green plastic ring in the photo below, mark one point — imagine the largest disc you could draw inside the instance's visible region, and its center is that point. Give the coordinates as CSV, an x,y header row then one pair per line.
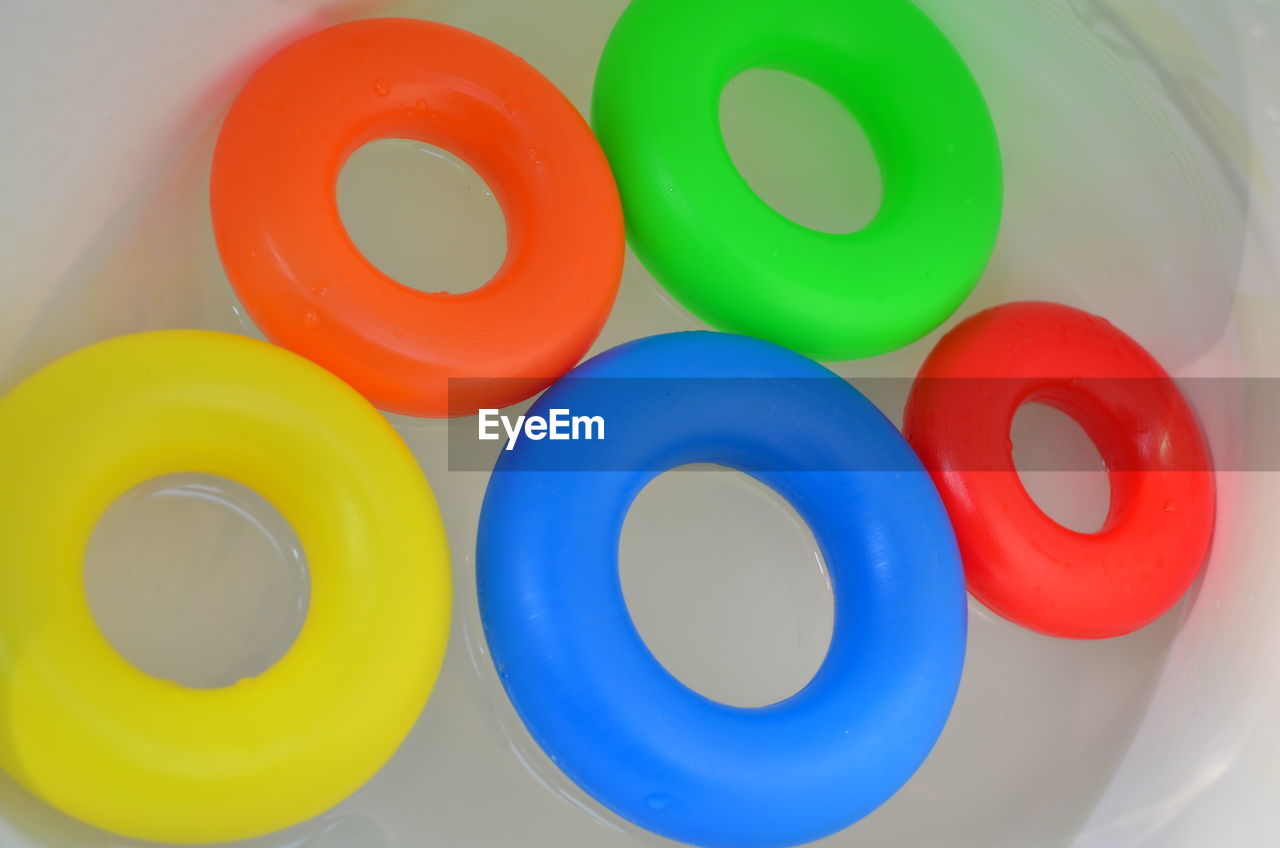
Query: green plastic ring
x,y
725,253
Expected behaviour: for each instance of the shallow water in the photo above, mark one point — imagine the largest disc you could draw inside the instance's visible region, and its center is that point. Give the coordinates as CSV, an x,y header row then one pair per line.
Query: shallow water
x,y
1125,194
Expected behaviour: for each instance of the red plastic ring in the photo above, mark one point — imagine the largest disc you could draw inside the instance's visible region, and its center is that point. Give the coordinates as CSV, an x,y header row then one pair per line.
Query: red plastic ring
x,y
1018,561
309,288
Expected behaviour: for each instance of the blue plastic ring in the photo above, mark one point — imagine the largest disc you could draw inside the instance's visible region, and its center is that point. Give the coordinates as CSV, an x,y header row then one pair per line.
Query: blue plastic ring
x,y
596,699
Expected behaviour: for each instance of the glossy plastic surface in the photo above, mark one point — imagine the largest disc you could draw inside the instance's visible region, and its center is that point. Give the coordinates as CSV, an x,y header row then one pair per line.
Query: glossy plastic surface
x,y
1019,561
594,696
144,757
308,286
726,254
1142,162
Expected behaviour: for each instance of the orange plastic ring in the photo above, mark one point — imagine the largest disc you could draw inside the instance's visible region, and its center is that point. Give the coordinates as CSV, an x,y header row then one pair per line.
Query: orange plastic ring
x,y
309,288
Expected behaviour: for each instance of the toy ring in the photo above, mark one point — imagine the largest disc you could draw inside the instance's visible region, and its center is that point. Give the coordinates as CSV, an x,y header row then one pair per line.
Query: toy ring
x,y
309,288
589,690
726,254
147,758
1018,561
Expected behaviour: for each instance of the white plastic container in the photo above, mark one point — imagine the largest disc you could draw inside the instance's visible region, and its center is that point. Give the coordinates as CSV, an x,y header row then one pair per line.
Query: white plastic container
x,y
1142,151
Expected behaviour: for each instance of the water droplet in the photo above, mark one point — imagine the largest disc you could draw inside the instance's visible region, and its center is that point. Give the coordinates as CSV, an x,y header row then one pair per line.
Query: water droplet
x,y
311,320
658,801
1170,506
382,87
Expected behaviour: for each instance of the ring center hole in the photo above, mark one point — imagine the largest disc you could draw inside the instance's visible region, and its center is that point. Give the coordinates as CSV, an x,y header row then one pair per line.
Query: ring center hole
x,y
197,580
422,216
800,150
1060,467
726,585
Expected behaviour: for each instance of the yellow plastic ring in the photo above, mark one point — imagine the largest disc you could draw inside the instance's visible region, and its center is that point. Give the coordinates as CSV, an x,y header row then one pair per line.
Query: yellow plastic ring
x,y
147,758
